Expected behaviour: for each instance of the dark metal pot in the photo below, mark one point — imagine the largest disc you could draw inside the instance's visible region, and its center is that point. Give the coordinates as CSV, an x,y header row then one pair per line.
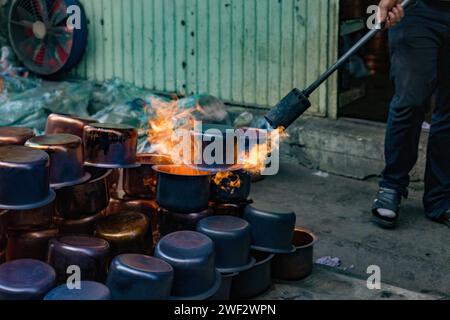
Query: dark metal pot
x,y
25,279
31,219
4,218
271,232
298,265
172,222
182,189
110,146
232,240
66,158
191,254
85,199
24,176
84,225
213,134
231,186
141,182
2,256
126,232
29,244
230,209
89,291
139,277
254,282
225,287
64,123
88,253
15,136
147,207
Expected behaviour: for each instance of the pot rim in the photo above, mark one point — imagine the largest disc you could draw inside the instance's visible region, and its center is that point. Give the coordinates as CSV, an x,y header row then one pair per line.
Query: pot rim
x,y
81,180
112,166
259,263
160,169
248,266
50,198
274,250
145,155
205,295
308,232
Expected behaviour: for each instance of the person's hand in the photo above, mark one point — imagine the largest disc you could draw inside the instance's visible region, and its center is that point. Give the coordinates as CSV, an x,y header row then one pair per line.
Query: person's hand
x,y
390,12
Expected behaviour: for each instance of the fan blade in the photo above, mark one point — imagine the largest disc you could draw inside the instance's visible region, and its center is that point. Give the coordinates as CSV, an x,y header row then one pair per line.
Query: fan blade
x,y
41,7
23,23
27,47
59,13
24,14
63,42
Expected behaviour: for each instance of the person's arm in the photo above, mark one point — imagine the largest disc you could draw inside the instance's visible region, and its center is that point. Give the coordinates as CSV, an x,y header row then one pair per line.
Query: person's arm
x,y
390,12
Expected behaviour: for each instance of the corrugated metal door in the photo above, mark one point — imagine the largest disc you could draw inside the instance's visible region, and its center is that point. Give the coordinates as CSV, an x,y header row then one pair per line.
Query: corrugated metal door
x,y
247,52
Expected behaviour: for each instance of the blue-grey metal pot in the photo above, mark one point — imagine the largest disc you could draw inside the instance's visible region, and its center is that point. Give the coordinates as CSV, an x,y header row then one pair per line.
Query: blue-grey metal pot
x,y
182,189
223,294
271,232
25,178
191,254
25,279
88,291
232,240
139,277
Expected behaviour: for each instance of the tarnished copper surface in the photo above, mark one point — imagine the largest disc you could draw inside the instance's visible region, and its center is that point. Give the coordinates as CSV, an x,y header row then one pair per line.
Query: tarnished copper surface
x,y
29,244
126,232
147,207
63,123
110,146
84,199
141,182
66,158
15,135
31,219
85,225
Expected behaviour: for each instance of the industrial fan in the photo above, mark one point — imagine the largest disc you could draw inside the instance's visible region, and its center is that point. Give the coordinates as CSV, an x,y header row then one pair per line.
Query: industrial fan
x,y
42,38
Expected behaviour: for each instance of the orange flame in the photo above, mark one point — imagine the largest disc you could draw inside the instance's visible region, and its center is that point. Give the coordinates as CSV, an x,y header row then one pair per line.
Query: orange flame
x,y
228,181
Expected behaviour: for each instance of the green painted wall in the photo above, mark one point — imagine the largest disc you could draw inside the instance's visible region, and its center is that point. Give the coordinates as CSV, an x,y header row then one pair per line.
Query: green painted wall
x,y
247,52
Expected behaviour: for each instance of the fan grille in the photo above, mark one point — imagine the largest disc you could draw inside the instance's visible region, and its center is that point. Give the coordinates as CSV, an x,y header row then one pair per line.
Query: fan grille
x,y
39,34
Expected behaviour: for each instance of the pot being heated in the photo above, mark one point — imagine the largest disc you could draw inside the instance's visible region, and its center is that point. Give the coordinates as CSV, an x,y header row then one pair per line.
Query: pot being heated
x,y
182,189
141,182
231,186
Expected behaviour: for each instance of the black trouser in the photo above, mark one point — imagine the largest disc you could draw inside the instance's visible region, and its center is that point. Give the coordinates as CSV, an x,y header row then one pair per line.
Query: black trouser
x,y
420,56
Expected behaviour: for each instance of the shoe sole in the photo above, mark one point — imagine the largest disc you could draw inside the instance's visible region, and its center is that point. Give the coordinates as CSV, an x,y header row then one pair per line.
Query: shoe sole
x,y
383,223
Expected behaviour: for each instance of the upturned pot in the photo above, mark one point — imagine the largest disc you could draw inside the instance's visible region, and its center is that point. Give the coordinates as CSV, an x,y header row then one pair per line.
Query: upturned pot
x,y
15,135
182,189
85,199
84,225
4,218
30,244
31,219
141,182
171,222
299,264
66,158
63,123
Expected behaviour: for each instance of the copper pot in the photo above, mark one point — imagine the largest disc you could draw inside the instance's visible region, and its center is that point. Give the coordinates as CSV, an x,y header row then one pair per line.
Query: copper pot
x,y
126,232
299,264
31,219
64,123
85,199
29,244
15,135
147,207
141,182
84,226
230,209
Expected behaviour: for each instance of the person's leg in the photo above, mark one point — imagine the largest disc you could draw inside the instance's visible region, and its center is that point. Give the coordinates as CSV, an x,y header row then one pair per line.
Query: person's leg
x,y
437,177
414,47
